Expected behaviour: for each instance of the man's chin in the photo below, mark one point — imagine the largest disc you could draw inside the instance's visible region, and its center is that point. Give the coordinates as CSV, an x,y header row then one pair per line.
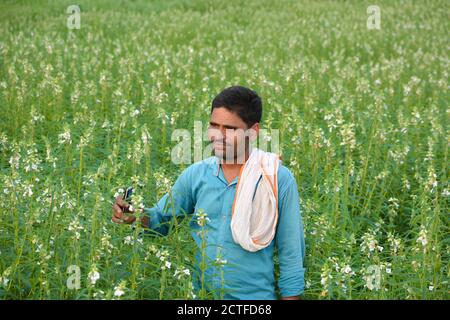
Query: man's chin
x,y
222,154
228,159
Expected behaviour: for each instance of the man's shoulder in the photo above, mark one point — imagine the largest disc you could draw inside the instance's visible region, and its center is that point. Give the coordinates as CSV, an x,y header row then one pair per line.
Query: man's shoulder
x,y
284,174
285,179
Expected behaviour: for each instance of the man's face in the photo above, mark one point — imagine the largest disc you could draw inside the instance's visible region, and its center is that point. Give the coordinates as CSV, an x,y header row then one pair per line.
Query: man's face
x,y
230,135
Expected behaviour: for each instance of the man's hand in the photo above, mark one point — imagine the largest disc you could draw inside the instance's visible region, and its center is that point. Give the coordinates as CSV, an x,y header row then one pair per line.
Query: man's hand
x,y
121,212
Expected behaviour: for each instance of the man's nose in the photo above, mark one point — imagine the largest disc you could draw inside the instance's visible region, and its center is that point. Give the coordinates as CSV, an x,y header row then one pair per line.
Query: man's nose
x,y
218,134
223,131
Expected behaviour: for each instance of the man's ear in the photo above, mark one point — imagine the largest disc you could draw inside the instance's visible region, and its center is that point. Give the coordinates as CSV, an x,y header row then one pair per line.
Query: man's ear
x,y
253,132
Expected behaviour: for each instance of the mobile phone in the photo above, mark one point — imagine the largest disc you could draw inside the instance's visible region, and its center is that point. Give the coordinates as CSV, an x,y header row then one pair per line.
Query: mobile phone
x,y
127,195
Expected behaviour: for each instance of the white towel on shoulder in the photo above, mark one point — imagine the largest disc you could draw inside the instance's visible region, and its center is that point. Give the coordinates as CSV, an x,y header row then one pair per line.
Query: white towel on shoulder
x,y
253,223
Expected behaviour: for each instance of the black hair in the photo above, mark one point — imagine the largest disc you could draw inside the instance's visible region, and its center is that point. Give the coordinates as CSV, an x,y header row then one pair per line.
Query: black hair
x,y
242,101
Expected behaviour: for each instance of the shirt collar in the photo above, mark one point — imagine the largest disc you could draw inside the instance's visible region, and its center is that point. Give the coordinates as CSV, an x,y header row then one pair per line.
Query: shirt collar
x,y
214,164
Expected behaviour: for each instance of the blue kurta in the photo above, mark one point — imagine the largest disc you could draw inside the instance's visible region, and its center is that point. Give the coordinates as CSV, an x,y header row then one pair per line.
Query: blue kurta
x,y
246,275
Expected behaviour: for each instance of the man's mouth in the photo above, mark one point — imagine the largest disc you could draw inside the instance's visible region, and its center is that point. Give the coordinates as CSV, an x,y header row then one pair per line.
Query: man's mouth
x,y
219,144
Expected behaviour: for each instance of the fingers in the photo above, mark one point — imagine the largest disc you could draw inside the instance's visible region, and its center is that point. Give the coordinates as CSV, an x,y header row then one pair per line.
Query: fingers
x,y
117,211
124,220
117,214
129,219
115,220
120,217
123,204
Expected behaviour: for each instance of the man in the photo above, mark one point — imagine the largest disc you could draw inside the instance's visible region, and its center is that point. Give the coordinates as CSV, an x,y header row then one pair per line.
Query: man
x,y
211,185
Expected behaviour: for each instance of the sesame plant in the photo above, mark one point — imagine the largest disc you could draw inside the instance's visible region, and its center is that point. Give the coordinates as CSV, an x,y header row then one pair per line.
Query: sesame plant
x,y
85,112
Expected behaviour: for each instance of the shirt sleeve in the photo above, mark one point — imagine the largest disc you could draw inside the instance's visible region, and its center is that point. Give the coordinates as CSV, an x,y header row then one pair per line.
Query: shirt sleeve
x,y
177,202
290,241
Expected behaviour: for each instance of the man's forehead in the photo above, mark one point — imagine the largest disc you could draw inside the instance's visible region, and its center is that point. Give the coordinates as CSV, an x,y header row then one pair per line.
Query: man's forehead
x,y
227,119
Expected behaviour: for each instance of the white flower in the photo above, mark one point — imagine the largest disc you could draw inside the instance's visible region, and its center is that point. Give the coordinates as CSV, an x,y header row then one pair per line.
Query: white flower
x,y
65,137
168,264
422,237
28,192
120,289
369,243
4,281
118,292
347,269
100,292
179,272
348,135
128,240
93,276
162,255
202,218
406,90
220,261
388,270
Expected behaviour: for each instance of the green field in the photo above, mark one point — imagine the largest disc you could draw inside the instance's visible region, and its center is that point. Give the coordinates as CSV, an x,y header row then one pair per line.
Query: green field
x,y
362,115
